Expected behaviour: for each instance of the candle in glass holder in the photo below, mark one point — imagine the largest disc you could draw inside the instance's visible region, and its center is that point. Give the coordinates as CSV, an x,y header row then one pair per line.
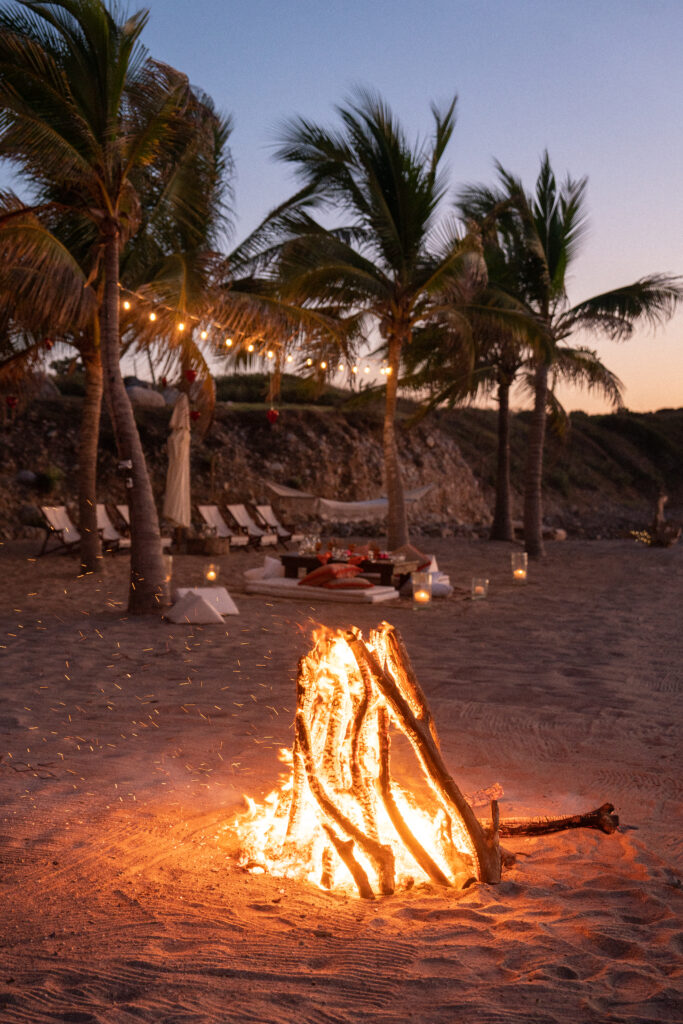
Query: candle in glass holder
x,y
519,563
211,573
480,588
422,589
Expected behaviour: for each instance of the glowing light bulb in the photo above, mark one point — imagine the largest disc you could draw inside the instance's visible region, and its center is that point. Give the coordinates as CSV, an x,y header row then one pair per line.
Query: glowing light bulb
x,y
126,304
152,317
181,326
354,369
323,365
250,348
204,335
388,371
341,367
367,369
290,359
270,354
228,342
309,362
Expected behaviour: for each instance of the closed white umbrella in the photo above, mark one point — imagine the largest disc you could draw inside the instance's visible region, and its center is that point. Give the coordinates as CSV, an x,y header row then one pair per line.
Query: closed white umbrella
x,y
177,496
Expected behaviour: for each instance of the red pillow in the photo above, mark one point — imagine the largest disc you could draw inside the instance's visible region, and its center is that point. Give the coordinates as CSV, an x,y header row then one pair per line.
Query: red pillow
x,y
348,583
331,571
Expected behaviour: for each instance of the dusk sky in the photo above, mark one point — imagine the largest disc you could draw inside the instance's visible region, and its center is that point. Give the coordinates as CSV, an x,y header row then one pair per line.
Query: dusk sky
x,y
599,84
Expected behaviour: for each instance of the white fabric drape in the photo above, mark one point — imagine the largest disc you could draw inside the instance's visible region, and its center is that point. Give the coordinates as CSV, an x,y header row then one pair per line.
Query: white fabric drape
x,y
176,508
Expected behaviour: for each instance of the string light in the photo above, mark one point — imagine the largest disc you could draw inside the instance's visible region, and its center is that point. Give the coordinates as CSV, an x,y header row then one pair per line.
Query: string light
x,y
182,325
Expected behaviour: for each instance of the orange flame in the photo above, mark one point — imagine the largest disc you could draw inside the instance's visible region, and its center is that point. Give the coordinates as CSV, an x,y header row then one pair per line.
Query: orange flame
x,y
337,817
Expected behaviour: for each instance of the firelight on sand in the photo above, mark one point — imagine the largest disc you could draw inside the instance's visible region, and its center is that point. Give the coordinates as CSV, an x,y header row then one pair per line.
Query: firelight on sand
x,y
338,818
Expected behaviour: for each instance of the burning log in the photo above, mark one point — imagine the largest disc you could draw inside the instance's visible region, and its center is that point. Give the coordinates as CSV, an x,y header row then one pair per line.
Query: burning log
x,y
418,851
340,818
416,727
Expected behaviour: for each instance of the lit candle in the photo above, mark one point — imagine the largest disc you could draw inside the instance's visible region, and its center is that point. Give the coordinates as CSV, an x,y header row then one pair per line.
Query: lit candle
x,y
519,561
211,573
480,587
422,589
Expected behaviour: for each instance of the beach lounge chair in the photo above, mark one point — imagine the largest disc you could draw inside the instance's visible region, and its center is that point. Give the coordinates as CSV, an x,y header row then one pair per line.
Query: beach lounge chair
x,y
270,521
256,536
58,526
124,512
112,539
212,517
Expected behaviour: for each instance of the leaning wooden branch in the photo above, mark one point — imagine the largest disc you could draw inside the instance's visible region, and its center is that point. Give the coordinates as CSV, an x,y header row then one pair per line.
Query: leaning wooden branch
x,y
345,850
485,849
381,856
403,831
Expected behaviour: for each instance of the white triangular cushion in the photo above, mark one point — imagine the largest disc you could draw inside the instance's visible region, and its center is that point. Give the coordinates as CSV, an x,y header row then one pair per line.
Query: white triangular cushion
x,y
217,597
193,608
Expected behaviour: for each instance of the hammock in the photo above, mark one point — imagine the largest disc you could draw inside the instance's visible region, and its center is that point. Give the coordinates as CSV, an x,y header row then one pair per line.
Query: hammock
x,y
344,511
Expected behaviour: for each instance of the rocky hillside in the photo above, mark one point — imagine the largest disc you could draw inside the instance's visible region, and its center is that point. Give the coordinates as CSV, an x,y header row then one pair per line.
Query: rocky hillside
x,y
601,480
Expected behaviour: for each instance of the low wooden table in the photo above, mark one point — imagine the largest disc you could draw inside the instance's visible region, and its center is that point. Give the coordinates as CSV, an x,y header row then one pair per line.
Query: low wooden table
x,y
385,568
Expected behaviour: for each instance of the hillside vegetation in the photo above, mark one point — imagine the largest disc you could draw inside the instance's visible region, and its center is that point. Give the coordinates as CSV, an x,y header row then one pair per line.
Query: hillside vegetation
x,y
601,479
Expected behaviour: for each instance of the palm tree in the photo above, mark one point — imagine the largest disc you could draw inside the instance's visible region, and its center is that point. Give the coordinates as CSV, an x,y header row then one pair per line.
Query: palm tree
x,y
392,255
541,235
49,296
82,109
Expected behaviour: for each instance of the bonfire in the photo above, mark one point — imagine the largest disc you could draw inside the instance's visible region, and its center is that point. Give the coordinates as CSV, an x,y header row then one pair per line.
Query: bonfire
x,y
339,818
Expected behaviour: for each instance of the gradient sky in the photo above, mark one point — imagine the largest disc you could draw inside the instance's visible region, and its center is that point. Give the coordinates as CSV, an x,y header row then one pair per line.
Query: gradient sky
x,y
597,82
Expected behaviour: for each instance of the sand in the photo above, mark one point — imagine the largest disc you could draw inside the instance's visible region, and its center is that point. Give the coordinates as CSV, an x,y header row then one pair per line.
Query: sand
x,y
127,743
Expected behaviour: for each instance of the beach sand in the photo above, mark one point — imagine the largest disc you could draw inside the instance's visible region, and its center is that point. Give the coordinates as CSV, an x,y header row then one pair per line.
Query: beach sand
x,y
127,743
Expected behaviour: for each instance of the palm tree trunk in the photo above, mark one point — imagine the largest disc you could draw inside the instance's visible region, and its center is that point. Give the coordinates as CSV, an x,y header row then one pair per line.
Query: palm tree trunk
x,y
147,575
91,544
501,528
397,520
533,500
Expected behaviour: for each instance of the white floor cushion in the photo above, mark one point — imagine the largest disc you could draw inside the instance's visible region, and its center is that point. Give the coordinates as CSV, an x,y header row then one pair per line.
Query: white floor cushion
x,y
193,608
218,597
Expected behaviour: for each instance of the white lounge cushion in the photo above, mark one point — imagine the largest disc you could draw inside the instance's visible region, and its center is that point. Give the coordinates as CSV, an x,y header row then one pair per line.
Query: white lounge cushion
x,y
288,588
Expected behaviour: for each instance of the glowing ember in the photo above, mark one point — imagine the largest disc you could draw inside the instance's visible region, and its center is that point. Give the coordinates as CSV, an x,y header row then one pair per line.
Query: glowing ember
x,y
338,818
